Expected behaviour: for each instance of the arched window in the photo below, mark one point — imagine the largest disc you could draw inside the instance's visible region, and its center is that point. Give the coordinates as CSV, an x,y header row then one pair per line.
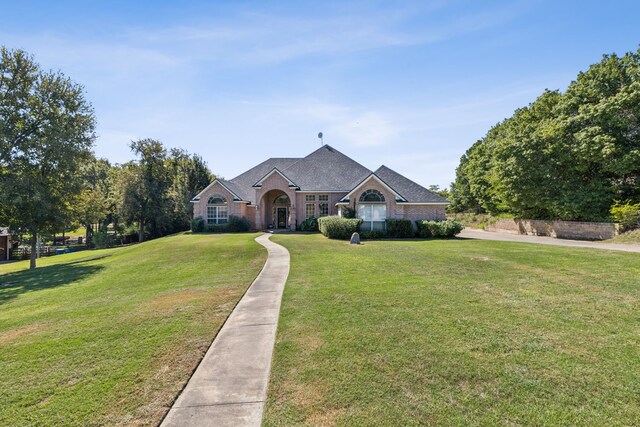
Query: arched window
x,y
217,210
372,210
372,196
281,200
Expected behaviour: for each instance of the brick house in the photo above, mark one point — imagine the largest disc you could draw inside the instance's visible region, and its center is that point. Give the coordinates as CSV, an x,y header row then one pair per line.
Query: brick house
x,y
283,192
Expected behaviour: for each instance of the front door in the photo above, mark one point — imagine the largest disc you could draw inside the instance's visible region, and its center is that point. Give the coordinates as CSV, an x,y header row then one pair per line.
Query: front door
x,y
282,217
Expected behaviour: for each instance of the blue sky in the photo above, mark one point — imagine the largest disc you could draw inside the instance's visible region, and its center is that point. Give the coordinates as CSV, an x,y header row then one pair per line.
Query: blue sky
x,y
407,84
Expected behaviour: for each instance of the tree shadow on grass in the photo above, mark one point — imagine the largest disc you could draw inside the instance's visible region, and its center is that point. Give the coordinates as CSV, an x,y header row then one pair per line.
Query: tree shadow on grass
x,y
21,282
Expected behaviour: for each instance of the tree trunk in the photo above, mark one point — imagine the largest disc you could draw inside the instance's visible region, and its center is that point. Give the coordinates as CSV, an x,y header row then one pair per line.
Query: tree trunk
x,y
89,234
141,231
34,251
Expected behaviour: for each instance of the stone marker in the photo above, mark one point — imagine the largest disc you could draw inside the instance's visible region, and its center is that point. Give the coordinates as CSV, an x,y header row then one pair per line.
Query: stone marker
x,y
355,239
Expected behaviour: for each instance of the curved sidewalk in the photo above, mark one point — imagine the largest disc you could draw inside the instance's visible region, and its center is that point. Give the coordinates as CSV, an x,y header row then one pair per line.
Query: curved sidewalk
x,y
469,233
229,387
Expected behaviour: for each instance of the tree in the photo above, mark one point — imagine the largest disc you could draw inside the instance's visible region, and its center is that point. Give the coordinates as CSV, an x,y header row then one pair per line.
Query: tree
x,y
189,175
95,203
46,131
566,155
145,199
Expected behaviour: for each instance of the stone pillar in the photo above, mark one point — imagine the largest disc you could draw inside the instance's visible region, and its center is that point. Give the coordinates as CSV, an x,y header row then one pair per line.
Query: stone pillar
x,y
292,217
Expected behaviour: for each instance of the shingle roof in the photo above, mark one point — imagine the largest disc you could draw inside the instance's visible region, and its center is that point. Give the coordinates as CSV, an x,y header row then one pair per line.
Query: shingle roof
x,y
326,169
411,191
243,183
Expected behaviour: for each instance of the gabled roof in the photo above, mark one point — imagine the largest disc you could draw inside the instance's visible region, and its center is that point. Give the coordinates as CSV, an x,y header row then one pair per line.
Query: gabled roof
x,y
244,182
372,175
326,169
275,170
229,186
411,191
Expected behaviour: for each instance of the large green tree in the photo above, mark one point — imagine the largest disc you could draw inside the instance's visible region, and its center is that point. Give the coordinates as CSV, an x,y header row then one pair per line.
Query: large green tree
x,y
46,132
567,155
145,194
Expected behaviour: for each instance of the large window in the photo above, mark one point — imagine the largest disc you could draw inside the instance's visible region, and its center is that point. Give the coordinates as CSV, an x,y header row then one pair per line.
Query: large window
x,y
323,209
310,210
372,210
217,210
373,216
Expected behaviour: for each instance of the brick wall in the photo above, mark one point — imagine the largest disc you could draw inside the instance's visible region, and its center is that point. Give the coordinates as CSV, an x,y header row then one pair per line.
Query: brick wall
x,y
429,212
560,229
200,207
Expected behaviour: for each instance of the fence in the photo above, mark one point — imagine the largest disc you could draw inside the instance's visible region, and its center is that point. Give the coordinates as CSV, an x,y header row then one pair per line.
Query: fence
x,y
45,251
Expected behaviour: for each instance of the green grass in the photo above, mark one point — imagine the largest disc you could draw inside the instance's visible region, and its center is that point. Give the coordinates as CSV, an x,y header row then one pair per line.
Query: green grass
x,y
456,332
110,337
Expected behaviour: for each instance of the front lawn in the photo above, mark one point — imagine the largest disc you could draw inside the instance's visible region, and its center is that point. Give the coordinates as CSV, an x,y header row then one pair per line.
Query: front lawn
x,y
456,332
110,337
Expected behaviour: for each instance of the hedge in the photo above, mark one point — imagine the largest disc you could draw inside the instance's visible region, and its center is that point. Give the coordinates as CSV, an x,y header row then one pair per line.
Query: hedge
x,y
235,224
336,227
399,228
448,228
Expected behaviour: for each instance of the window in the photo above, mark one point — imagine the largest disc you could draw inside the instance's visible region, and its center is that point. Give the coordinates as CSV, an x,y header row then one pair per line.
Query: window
x,y
310,198
323,209
323,198
373,216
310,210
372,196
217,210
281,200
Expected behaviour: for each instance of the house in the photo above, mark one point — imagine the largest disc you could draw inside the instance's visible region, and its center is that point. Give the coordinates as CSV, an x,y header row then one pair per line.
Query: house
x,y
283,192
5,244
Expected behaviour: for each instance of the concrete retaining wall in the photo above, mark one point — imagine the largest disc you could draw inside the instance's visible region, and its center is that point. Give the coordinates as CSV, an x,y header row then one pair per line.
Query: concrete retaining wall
x,y
560,229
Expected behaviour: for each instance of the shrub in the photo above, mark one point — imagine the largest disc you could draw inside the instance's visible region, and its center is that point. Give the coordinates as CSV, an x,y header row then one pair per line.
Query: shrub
x,y
348,212
336,227
102,239
448,228
235,224
399,228
627,214
309,224
197,224
372,234
238,224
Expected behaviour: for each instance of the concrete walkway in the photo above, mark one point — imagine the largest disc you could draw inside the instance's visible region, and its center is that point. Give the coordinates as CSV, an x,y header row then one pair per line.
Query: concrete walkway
x,y
544,240
229,387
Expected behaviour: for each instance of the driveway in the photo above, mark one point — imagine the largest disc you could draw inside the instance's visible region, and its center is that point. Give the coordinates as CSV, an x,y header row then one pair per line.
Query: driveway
x,y
471,233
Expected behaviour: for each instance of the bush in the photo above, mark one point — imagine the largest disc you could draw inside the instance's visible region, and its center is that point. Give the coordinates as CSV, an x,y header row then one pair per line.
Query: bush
x,y
348,212
448,228
309,224
336,227
627,214
372,234
197,224
102,239
399,228
235,224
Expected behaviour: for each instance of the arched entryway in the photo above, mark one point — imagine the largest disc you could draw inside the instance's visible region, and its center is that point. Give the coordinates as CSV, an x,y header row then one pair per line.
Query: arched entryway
x,y
276,210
